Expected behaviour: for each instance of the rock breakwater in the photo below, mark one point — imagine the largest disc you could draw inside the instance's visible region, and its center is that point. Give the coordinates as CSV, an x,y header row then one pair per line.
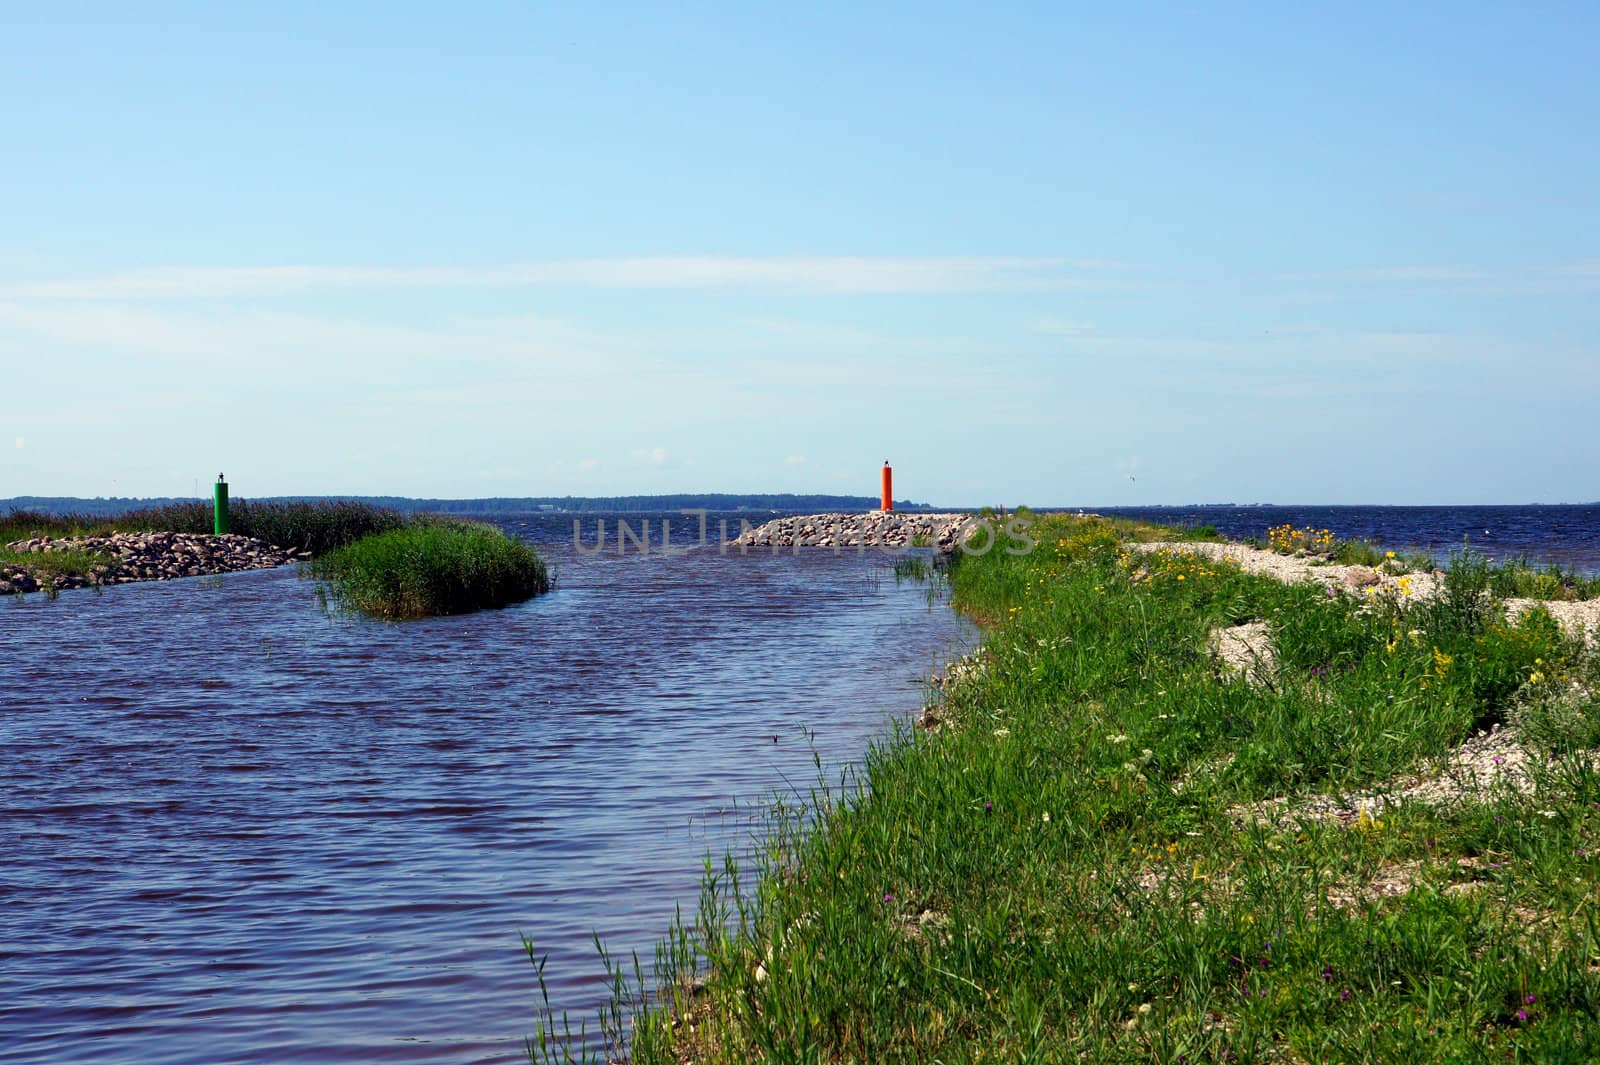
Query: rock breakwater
x,y
873,529
122,558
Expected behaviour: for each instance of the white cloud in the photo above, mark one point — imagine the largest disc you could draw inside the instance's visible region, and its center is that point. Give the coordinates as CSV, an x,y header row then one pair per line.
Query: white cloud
x,y
1061,327
1582,270
588,465
21,443
1401,274
656,456
1578,275
818,274
1174,348
795,460
331,348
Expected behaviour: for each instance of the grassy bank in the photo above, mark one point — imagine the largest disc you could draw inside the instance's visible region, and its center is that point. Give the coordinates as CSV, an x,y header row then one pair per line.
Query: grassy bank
x,y
433,567
49,568
1098,852
313,527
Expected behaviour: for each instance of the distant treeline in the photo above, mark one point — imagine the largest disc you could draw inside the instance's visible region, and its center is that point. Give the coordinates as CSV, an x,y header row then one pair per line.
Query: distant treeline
x,y
812,504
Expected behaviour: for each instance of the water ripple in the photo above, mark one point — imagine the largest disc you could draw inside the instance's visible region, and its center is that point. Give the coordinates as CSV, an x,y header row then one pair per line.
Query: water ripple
x,y
238,829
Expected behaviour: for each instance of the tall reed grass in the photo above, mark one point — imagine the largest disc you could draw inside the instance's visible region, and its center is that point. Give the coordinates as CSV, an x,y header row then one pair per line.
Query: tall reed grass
x,y
433,567
313,527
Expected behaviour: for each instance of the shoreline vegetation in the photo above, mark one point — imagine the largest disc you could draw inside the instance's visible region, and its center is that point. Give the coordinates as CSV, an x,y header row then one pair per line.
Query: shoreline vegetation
x,y
50,553
1178,807
386,564
43,564
432,567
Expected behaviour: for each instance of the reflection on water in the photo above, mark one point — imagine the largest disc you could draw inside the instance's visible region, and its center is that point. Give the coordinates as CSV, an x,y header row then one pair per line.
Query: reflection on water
x,y
237,829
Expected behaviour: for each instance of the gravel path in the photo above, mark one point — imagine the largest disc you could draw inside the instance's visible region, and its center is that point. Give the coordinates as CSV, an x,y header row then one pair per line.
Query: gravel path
x,y
1579,618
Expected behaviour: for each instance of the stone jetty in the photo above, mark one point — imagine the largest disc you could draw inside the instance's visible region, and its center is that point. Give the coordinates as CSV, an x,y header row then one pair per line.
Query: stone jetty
x,y
876,528
152,556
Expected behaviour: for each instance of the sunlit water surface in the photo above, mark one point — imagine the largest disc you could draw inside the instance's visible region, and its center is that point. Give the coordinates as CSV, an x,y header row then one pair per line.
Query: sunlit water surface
x,y
237,828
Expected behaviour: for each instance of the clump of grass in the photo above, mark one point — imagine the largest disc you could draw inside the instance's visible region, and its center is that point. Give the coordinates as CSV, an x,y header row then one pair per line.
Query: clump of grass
x,y
913,568
433,567
1523,579
1061,873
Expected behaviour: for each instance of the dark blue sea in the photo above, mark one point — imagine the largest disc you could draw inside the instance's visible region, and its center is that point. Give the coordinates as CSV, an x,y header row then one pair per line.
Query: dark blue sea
x,y
1568,536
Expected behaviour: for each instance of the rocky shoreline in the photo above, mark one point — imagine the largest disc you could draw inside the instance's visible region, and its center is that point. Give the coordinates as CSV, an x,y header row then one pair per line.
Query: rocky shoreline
x,y
873,529
1580,617
129,557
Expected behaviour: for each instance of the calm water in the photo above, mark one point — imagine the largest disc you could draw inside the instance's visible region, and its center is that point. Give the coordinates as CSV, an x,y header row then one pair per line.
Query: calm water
x,y
238,830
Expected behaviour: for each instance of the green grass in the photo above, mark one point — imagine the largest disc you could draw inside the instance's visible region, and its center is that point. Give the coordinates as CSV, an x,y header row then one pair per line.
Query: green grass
x,y
1367,553
432,567
49,567
1524,579
374,560
1061,873
1512,579
313,527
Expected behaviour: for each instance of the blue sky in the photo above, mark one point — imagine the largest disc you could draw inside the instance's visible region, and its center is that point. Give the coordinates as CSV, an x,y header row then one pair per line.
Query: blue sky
x,y
1043,254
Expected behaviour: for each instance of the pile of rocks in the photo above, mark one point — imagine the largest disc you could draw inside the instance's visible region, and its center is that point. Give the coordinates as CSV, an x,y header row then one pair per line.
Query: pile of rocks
x,y
874,529
156,556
